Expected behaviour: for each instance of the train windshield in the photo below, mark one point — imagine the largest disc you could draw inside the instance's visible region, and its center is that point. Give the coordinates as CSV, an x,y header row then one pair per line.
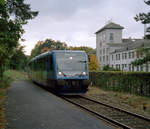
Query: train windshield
x,y
71,63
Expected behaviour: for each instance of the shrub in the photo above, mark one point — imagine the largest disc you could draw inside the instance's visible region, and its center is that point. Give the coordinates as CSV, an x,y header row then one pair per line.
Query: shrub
x,y
130,82
5,81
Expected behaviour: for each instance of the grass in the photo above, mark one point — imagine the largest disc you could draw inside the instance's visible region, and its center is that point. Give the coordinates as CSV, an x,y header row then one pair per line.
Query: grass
x,y
9,77
16,75
4,84
2,110
124,100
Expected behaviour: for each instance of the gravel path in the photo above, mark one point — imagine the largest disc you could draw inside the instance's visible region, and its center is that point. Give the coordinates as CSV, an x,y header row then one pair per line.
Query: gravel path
x,y
30,107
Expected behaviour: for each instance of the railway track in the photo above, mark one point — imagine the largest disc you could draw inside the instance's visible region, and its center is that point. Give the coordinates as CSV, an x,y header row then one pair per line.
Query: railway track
x,y
117,116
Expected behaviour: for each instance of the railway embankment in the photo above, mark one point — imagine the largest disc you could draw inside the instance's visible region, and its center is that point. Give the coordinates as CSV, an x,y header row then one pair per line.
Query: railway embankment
x,y
129,102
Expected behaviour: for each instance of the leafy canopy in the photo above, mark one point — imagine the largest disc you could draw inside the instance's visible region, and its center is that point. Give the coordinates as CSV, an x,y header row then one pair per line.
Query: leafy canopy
x,y
143,53
47,45
13,15
144,18
93,63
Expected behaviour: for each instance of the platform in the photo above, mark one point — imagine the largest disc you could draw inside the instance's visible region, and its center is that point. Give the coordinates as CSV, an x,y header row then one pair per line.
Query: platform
x,y
31,107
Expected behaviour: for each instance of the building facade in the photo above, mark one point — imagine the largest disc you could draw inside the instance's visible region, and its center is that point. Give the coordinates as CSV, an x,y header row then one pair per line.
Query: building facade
x,y
116,52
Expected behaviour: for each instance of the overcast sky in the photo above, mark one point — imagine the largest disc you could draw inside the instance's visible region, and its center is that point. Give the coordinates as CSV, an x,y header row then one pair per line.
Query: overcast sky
x,y
76,21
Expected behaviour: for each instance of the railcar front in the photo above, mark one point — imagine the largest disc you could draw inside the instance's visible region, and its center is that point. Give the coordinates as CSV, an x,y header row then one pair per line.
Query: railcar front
x,y
71,72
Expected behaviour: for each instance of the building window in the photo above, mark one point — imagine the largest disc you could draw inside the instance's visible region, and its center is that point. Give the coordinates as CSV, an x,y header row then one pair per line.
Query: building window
x,y
100,44
104,51
100,52
119,66
125,55
118,56
132,54
122,66
129,55
112,57
111,37
107,58
132,67
129,67
103,58
107,50
116,66
112,66
100,58
137,68
125,65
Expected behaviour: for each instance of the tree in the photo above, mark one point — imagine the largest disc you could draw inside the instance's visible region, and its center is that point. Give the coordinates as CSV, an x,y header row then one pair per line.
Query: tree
x,y
2,2
143,56
19,59
83,48
144,18
47,45
93,63
143,53
13,15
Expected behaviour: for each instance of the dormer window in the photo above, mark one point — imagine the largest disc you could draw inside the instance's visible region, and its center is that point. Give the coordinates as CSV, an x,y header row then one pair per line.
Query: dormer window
x,y
111,38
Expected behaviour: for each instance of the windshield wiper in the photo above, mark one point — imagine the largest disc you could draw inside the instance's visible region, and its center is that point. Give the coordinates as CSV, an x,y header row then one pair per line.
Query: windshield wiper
x,y
82,61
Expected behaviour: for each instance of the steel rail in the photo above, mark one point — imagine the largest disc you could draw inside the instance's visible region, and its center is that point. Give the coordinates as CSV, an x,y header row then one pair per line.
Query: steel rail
x,y
119,109
99,115
120,124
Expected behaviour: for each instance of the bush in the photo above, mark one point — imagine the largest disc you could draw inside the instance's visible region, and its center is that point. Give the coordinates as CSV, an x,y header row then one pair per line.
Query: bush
x,y
130,82
108,68
5,81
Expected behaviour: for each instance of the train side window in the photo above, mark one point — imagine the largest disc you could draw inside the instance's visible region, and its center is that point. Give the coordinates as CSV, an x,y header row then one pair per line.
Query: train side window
x,y
51,63
44,63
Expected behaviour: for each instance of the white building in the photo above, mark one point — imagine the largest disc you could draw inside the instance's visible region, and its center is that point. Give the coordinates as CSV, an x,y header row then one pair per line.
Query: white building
x,y
116,52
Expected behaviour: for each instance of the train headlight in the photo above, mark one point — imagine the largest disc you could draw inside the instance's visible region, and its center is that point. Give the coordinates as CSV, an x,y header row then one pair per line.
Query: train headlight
x,y
60,73
84,73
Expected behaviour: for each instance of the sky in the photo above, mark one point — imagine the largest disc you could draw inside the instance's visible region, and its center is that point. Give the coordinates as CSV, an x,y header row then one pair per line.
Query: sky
x,y
76,21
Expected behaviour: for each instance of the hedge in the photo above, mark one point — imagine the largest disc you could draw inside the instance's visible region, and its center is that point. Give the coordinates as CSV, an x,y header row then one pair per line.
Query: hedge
x,y
130,82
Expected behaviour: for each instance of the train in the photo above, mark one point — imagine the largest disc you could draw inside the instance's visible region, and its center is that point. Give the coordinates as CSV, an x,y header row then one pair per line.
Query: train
x,y
64,71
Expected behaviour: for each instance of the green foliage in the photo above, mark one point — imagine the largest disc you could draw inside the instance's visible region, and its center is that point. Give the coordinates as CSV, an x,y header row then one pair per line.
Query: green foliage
x,y
83,48
143,52
143,55
5,81
19,59
144,17
13,15
48,44
129,82
93,63
2,2
107,68
16,75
